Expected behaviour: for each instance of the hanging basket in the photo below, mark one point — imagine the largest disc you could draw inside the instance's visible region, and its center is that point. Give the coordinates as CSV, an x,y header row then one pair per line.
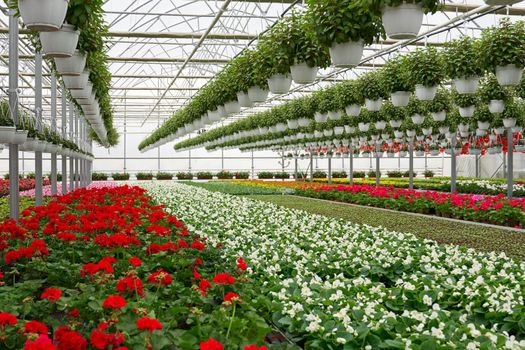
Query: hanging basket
x,y
509,75
347,54
303,74
279,84
395,123
84,94
434,152
321,117
373,105
19,137
400,98
7,134
363,127
380,125
496,106
501,2
483,125
43,15
474,151
303,122
256,94
339,130
417,119
353,110
466,85
232,107
76,82
349,129
425,93
439,116
509,122
467,112
403,21
73,65
292,124
61,43
334,115
244,99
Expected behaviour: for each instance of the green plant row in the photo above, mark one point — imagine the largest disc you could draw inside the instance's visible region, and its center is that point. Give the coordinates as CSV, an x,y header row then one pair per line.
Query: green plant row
x,y
97,176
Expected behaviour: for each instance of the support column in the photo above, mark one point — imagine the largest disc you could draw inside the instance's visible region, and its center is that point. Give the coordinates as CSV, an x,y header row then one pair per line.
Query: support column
x,y
330,169
77,161
222,159
453,164
411,163
13,108
54,128
311,167
64,135
476,159
189,161
71,159
296,166
510,164
351,169
253,168
38,109
378,176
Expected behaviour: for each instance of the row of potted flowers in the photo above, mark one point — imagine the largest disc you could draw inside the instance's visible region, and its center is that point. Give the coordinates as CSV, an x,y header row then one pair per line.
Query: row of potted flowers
x,y
333,284
23,185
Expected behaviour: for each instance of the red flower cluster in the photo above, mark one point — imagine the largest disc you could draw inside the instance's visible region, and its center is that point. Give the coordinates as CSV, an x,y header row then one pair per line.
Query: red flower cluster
x,y
67,339
6,319
51,294
241,264
35,327
134,261
36,248
130,285
211,344
104,265
231,297
114,302
223,278
160,277
148,324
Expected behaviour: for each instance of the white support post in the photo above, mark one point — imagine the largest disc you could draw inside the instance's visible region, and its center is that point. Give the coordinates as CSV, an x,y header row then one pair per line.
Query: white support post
x,y
54,129
71,159
411,163
38,110
14,196
453,166
510,164
64,135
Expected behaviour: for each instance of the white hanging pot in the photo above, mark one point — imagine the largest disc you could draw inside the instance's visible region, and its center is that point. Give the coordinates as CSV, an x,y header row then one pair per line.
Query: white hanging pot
x,y
373,105
347,54
334,115
400,98
280,127
474,151
232,107
425,93
390,154
328,132
509,122
466,85
7,134
398,134
303,122
363,127
438,116
417,119
214,116
29,145
83,94
303,74
402,154
499,131
463,127
318,134
349,129
244,99
353,110
395,123
467,112
320,117
501,2
19,137
520,148
517,129
509,75
434,152
427,131
339,130
493,137
292,124
43,15
73,65
496,106
61,43
403,21
420,153
256,94
76,82
480,132
483,125
380,125
411,133
279,84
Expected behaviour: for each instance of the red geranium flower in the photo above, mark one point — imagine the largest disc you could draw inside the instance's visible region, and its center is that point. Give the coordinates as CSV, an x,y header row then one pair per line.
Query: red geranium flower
x,y
160,277
51,294
7,319
211,344
114,302
254,347
231,297
204,285
131,285
134,261
148,324
41,343
67,339
74,313
197,245
35,327
241,264
223,278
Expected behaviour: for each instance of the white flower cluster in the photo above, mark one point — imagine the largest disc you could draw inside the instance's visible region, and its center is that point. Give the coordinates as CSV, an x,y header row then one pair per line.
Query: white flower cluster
x,y
336,283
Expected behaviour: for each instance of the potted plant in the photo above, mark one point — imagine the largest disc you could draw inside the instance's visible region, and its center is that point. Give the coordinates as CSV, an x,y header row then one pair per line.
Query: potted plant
x,y
258,91
504,51
440,105
483,117
372,89
513,111
493,94
76,82
60,43
345,27
272,46
466,104
462,63
42,15
396,80
402,19
392,114
434,151
164,176
73,65
350,96
426,71
7,128
417,111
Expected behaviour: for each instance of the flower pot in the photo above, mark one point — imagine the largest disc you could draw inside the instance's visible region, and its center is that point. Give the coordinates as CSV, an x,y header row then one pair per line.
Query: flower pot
x,y
396,123
43,15
466,85
411,133
279,84
318,134
496,106
417,119
349,129
420,153
480,132
390,154
402,154
501,2
83,94
339,130
76,82
509,122
320,117
520,148
19,137
373,105
363,127
427,131
280,127
347,54
483,125
434,152
499,131
256,94
403,21
439,116
474,151
353,110
303,74
400,98
232,107
292,124
467,112
244,99
7,134
334,115
61,43
463,127
28,146
303,122
380,125
509,75
425,93
328,132
73,65
398,134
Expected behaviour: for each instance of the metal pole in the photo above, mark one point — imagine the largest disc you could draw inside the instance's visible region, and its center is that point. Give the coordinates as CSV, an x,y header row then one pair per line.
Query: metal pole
x,y
71,159
311,167
125,136
38,108
329,168
253,168
222,158
510,164
476,159
378,176
77,134
13,107
296,173
411,163
54,128
64,134
351,170
453,164
189,161
81,161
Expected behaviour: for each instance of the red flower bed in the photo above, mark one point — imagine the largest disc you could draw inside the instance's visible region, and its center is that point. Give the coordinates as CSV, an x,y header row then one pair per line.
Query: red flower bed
x,y
488,209
23,185
107,269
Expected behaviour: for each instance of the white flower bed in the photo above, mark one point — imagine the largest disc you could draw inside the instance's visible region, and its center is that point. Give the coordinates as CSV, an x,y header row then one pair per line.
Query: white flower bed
x,y
490,185
333,283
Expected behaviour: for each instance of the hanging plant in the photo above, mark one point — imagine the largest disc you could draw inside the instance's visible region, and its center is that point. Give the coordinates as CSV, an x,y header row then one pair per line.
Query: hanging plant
x,y
416,110
372,89
465,100
426,71
395,115
462,63
441,102
396,80
350,96
513,114
482,117
493,94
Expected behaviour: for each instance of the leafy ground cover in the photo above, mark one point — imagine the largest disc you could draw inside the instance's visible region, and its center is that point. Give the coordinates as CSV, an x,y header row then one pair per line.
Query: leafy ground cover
x,y
332,284
236,188
482,238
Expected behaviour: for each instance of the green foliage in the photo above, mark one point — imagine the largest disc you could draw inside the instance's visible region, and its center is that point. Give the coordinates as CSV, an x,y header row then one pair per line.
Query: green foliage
x,y
339,174
164,176
426,66
428,6
359,174
184,176
372,85
465,100
394,173
265,175
5,116
242,175
349,93
441,102
462,58
391,112
503,45
204,175
144,176
482,113
490,89
224,175
99,176
395,75
319,174
120,176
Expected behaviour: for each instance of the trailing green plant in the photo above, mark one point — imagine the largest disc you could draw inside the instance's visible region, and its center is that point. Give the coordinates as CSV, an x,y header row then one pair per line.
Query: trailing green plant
x,y
426,66
462,58
416,106
490,89
99,176
184,176
120,176
349,93
395,75
503,45
372,86
164,176
391,112
144,176
441,102
465,100
5,115
326,100
482,113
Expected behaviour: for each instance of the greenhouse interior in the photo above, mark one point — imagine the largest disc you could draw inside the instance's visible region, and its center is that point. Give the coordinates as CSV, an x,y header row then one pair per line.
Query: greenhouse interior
x,y
258,174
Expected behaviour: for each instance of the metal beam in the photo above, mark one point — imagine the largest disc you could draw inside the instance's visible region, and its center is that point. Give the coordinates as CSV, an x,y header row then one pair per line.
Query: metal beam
x,y
150,59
